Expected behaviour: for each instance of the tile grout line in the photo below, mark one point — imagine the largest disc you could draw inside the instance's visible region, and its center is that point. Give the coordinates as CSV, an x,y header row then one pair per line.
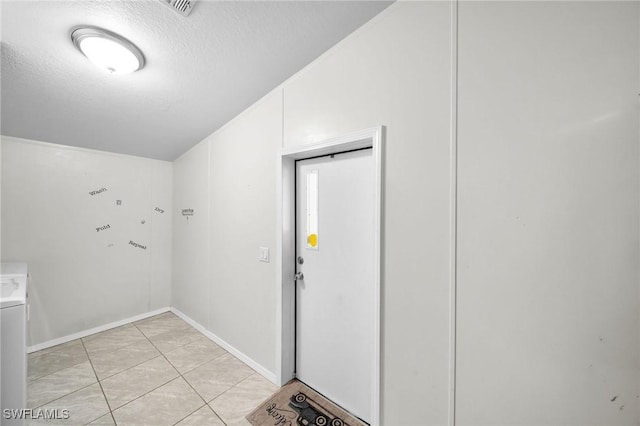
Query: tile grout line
x,y
151,390
51,350
206,362
65,395
188,415
237,384
131,344
57,371
215,413
29,381
98,380
183,378
126,369
160,353
145,394
232,387
104,395
113,350
206,403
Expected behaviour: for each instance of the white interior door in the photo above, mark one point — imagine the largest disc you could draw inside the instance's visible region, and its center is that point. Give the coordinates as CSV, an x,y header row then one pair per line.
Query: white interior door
x,y
335,298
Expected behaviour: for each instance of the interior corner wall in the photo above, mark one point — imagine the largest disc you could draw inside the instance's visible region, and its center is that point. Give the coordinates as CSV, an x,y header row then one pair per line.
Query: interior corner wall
x,y
91,261
229,183
191,289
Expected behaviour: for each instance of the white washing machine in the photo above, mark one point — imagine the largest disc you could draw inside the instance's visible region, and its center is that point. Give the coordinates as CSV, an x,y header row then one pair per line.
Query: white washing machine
x,y
13,342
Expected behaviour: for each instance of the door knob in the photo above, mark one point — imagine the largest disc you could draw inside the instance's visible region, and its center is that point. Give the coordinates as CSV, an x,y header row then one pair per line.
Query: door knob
x,y
298,276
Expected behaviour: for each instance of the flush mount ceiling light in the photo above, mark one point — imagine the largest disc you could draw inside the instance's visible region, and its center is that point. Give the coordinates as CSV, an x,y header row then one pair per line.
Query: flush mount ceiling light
x,y
107,49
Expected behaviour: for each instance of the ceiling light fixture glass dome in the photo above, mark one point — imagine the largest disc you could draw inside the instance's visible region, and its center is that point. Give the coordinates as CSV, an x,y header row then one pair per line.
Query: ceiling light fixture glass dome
x,y
107,49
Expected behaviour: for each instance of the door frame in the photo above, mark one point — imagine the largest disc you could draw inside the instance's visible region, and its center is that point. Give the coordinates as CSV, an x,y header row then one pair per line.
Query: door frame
x,y
285,249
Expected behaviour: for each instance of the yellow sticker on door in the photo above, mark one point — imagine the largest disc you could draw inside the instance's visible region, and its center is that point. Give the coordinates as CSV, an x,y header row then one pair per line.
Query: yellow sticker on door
x,y
312,240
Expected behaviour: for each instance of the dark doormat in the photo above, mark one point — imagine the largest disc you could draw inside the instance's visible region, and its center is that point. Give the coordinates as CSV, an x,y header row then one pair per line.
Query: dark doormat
x,y
297,404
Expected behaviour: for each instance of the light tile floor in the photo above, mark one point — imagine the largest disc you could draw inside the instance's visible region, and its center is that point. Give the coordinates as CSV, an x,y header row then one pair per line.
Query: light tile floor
x,y
158,371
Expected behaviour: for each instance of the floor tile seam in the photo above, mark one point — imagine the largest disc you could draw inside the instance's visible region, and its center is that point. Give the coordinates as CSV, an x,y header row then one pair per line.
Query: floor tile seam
x,y
238,384
188,342
66,394
162,354
232,386
174,367
175,378
151,341
115,348
128,368
188,383
216,359
111,350
164,329
146,393
229,386
104,395
200,365
159,353
194,389
29,381
202,336
94,336
142,362
198,409
33,355
179,373
81,341
173,424
159,322
152,318
217,415
86,352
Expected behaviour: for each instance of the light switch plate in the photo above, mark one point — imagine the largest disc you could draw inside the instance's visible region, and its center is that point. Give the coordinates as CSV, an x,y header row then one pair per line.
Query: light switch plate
x,y
263,254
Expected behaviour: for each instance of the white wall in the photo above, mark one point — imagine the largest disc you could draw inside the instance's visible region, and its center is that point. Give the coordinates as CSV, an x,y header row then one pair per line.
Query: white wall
x,y
191,289
548,213
396,72
80,277
365,81
243,214
547,218
229,181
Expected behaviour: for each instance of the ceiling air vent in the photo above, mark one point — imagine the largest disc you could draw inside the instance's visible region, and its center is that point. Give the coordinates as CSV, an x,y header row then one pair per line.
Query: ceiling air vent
x,y
183,7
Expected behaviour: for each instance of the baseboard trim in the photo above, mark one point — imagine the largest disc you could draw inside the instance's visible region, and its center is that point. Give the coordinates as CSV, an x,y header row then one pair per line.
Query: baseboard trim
x,y
94,330
269,375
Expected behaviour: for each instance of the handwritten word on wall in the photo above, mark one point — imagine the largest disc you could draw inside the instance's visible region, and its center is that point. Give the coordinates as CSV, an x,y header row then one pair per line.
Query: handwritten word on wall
x,y
137,245
98,191
102,228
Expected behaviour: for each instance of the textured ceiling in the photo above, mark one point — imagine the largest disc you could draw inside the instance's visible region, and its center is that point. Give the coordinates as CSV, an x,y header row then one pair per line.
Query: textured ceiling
x,y
201,70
